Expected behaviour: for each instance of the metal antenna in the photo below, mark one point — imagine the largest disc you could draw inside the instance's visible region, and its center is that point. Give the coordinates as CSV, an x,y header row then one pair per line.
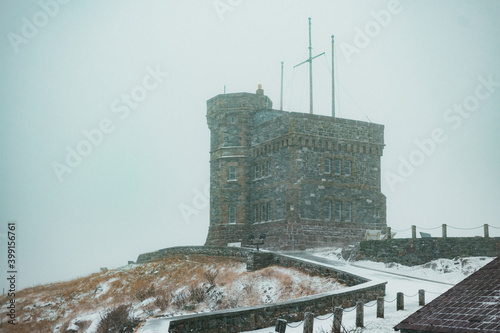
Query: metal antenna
x,y
333,82
281,101
310,69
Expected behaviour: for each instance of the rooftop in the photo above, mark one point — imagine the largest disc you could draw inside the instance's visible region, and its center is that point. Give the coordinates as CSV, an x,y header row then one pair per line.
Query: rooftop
x,y
472,305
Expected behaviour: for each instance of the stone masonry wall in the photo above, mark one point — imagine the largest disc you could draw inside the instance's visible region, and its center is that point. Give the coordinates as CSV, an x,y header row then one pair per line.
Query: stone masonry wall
x,y
422,250
252,318
283,186
255,260
238,253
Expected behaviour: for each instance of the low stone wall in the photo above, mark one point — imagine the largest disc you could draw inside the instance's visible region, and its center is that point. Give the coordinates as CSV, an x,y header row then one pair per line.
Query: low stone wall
x,y
316,269
422,250
238,253
255,260
257,317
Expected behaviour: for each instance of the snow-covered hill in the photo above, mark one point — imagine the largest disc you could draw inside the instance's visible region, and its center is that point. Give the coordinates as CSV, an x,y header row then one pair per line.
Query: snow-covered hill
x,y
169,287
178,286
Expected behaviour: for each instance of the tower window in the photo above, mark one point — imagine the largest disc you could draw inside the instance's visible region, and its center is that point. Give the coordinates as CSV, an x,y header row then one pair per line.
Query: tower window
x,y
328,165
232,173
348,212
269,211
337,168
268,168
347,168
262,212
257,172
255,213
232,215
232,120
263,169
338,211
328,210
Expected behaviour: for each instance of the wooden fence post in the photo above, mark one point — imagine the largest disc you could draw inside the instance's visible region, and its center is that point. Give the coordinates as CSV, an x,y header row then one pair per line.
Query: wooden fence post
x,y
308,322
444,231
486,231
337,319
421,297
380,307
389,231
400,301
280,326
413,231
360,314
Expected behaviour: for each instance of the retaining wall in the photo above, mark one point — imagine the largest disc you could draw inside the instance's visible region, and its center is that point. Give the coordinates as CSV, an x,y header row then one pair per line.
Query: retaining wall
x,y
256,260
252,318
418,251
238,253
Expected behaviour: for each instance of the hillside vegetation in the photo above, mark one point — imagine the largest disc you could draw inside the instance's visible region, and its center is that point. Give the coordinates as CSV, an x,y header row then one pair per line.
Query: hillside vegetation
x,y
168,287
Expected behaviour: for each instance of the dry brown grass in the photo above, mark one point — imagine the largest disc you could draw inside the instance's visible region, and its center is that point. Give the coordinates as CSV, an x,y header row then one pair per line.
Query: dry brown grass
x,y
168,286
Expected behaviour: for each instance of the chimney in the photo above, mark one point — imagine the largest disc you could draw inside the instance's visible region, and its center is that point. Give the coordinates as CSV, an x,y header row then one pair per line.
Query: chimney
x,y
260,91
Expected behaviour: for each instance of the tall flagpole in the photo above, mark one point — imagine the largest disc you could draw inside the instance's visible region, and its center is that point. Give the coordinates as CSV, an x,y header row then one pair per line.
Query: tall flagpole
x,y
333,81
310,72
281,100
310,69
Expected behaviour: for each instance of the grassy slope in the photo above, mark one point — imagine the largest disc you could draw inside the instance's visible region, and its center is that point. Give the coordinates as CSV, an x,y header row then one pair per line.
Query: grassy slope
x,y
172,286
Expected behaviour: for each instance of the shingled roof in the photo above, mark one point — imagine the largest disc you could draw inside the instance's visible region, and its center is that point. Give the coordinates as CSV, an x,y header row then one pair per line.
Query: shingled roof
x,y
473,305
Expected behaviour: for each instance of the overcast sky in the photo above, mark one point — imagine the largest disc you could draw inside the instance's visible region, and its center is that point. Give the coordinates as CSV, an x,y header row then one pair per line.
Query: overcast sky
x,y
124,85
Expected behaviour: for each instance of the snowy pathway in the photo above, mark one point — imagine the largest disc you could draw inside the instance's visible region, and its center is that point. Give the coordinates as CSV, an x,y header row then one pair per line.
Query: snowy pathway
x,y
407,280
396,283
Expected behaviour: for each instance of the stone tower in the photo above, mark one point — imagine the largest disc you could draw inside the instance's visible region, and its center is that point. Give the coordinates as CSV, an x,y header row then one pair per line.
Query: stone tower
x,y
303,180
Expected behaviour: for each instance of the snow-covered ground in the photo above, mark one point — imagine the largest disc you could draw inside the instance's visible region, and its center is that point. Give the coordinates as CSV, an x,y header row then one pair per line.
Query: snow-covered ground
x,y
435,278
408,280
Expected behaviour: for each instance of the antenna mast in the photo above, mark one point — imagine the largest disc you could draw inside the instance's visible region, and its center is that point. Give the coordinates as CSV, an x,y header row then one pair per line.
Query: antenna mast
x,y
310,69
333,81
281,101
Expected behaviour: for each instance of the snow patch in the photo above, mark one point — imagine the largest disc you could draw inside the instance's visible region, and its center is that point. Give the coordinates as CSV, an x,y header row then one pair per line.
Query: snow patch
x,y
104,288
446,270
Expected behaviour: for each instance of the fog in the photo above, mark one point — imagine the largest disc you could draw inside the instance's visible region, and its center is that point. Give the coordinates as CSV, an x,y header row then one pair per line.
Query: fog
x,y
103,135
